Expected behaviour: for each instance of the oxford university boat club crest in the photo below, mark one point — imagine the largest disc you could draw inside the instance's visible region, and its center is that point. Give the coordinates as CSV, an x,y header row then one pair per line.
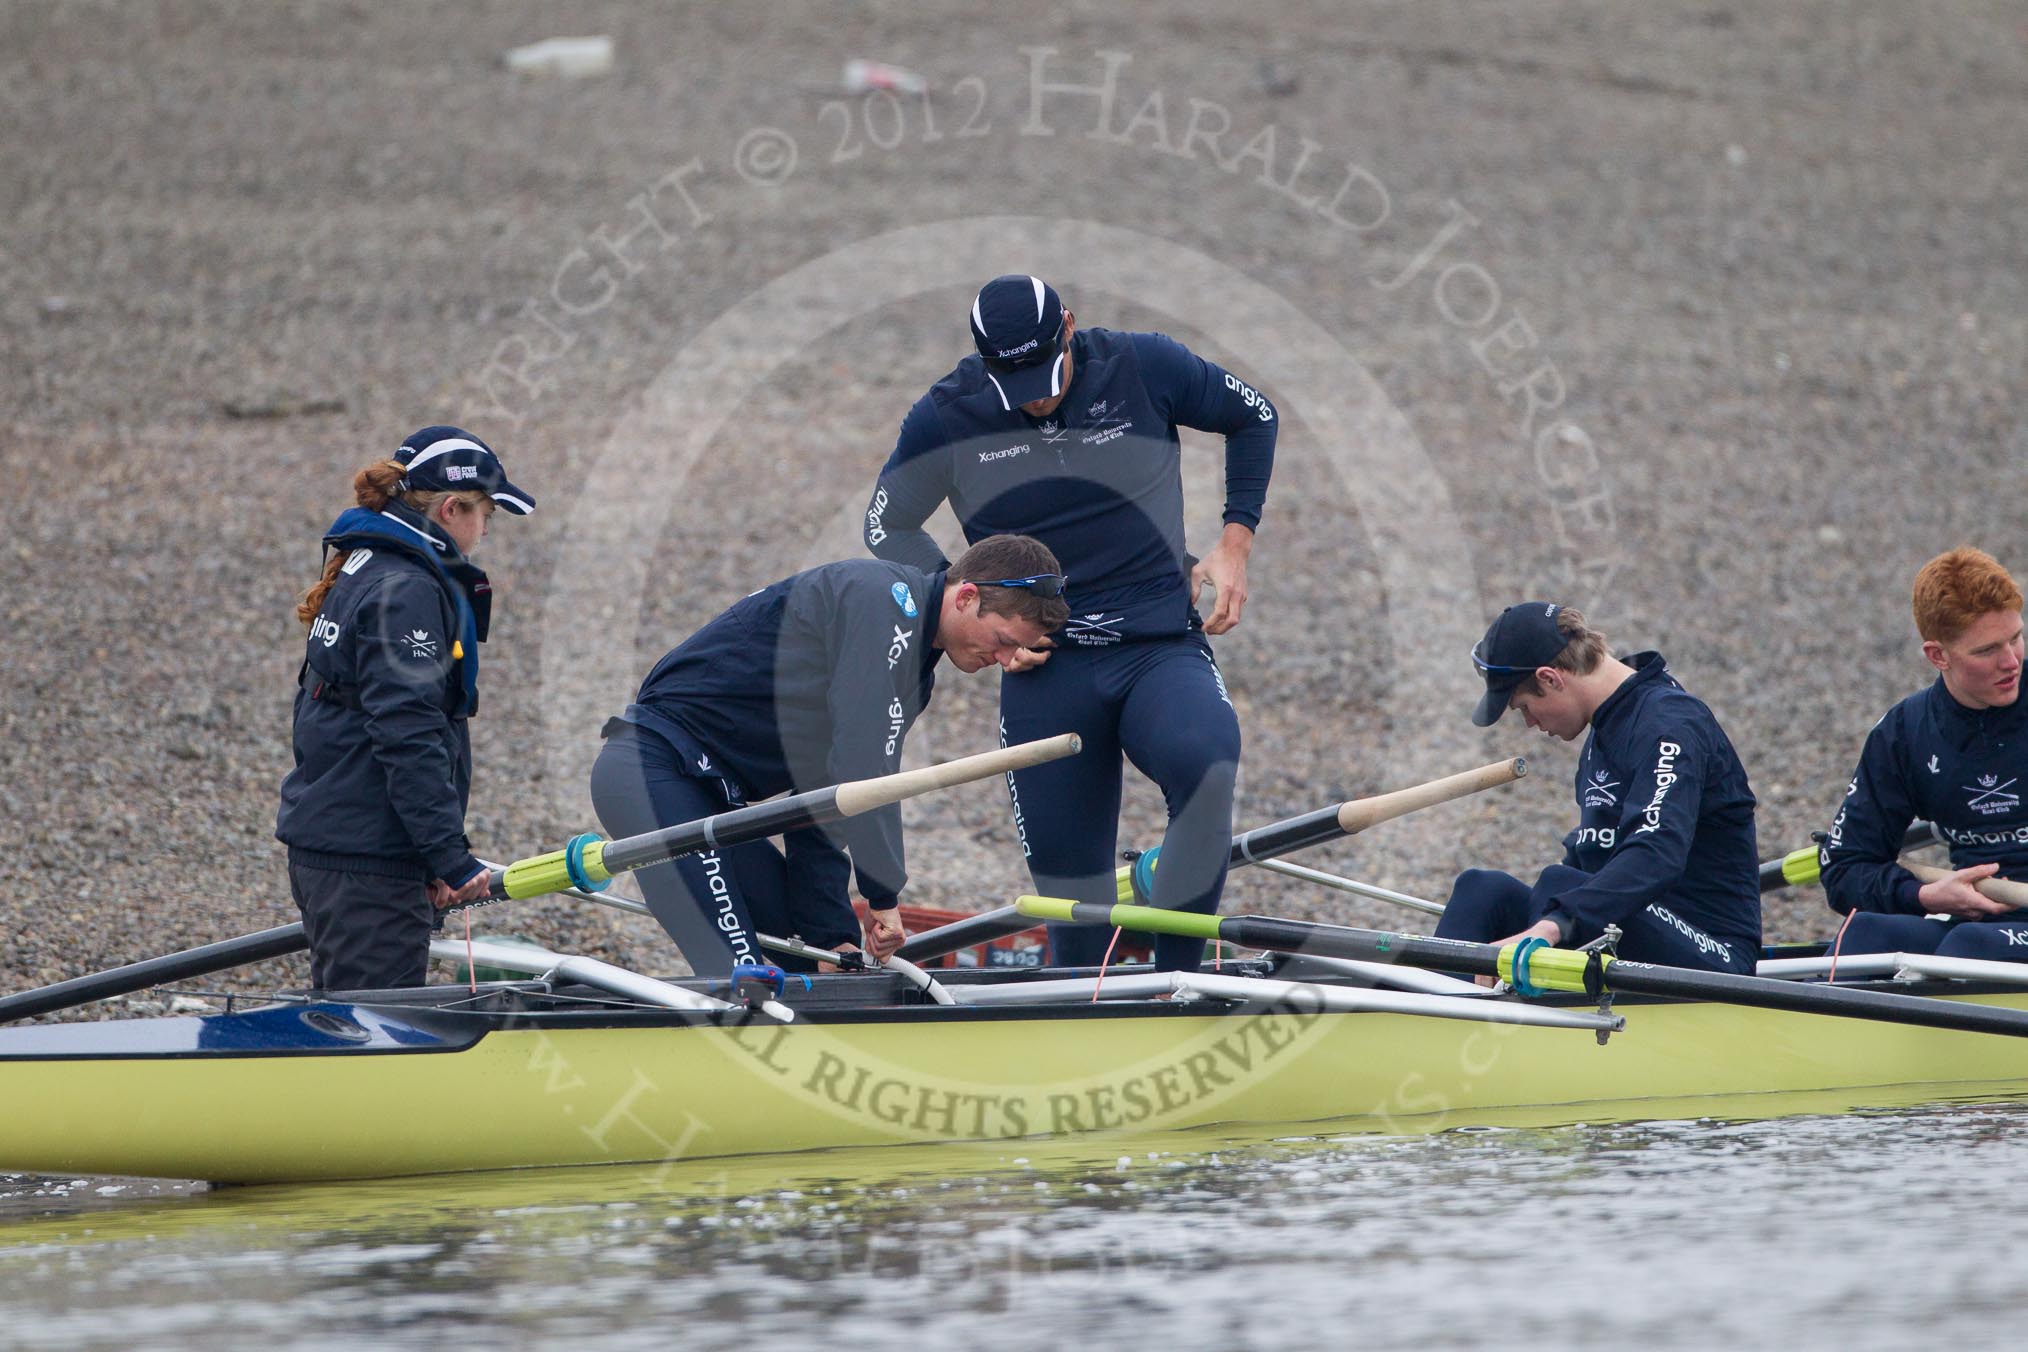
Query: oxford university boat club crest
x,y
1601,790
1989,797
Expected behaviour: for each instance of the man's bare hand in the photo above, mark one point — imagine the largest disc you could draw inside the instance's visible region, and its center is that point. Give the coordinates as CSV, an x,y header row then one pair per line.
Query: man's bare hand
x,y
1955,895
884,934
476,888
1026,659
847,947
1547,930
1225,569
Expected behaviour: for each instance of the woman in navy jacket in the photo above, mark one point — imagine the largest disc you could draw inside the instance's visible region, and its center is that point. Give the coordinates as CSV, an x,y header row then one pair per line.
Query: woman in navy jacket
x,y
373,812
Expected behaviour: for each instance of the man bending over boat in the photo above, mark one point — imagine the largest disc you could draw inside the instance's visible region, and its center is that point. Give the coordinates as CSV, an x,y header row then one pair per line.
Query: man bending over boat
x,y
812,681
1664,846
1951,754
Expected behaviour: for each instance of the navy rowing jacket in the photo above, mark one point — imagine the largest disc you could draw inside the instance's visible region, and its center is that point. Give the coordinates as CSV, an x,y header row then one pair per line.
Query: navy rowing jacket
x,y
812,681
1099,481
1666,815
383,757
1930,758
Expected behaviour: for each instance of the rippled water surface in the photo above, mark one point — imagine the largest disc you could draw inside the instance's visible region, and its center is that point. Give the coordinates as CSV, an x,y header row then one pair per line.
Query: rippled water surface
x,y
1876,1229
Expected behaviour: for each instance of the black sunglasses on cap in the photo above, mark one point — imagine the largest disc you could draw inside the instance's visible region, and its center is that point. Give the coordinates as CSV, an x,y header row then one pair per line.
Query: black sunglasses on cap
x,y
1493,668
1042,584
1043,352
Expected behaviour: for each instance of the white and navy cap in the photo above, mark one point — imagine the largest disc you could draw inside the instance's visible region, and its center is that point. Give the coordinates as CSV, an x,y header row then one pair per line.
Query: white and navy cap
x,y
450,459
1017,322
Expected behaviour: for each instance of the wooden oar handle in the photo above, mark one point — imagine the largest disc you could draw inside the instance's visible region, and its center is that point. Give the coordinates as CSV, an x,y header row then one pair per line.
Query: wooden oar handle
x,y
863,795
1361,813
1999,889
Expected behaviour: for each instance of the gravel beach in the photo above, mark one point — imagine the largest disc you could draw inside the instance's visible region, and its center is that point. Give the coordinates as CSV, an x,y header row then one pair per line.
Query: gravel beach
x,y
1708,317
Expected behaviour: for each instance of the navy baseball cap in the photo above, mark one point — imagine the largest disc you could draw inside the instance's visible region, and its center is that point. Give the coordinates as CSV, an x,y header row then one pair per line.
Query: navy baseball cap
x,y
1523,638
1017,323
450,459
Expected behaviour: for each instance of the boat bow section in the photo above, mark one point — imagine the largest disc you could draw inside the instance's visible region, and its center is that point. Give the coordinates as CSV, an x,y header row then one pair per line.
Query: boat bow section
x,y
282,1030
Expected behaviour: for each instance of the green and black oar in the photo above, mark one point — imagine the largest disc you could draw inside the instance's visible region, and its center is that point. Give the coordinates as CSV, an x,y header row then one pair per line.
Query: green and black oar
x,y
1249,847
1534,968
587,863
1799,868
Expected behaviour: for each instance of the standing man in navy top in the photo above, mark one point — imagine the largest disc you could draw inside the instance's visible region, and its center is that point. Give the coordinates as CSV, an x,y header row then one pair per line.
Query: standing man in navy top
x,y
1664,846
1952,754
1069,435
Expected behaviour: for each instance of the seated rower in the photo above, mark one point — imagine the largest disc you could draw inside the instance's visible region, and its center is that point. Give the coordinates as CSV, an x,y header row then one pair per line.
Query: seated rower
x,y
1952,754
1664,846
812,681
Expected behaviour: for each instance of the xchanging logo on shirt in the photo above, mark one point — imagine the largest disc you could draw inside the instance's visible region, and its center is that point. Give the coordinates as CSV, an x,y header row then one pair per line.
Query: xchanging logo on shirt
x,y
1665,779
904,598
898,646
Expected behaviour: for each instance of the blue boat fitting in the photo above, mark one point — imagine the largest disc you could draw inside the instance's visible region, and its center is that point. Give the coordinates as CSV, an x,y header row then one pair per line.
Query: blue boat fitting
x,y
573,862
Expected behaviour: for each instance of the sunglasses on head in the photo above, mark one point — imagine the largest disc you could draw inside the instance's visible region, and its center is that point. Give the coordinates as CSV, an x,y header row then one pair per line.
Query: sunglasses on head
x,y
1042,353
1493,668
1042,584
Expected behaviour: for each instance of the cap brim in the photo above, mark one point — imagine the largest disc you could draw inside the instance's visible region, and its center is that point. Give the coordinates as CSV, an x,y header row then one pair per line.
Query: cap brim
x,y
1492,704
513,499
1028,384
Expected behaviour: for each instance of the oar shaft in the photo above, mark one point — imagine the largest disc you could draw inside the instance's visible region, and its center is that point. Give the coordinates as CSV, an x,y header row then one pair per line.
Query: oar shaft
x,y
139,976
1293,936
1562,968
1252,847
2004,890
970,932
599,860
1767,993
1352,885
1349,819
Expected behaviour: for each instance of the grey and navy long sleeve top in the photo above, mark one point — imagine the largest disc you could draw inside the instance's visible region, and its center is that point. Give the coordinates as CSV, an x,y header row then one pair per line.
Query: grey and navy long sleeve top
x,y
812,681
1098,481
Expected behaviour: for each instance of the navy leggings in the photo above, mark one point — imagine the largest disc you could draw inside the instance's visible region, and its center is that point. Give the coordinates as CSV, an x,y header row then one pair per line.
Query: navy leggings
x,y
1996,940
712,904
1487,905
1161,703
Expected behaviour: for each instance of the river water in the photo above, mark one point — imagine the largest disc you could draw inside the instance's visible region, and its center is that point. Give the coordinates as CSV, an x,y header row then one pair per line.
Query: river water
x,y
1885,1228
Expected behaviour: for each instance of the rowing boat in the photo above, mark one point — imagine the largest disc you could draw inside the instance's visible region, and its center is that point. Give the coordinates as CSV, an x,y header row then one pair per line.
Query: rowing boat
x,y
564,1069
577,1062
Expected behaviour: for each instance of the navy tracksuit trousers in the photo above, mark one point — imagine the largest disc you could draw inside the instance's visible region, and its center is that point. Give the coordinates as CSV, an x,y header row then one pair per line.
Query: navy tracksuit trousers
x,y
1162,704
1996,940
1487,905
714,903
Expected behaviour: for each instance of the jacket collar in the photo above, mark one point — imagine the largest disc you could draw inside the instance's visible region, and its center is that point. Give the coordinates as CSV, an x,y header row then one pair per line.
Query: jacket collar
x,y
933,615
398,525
1964,722
1649,668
